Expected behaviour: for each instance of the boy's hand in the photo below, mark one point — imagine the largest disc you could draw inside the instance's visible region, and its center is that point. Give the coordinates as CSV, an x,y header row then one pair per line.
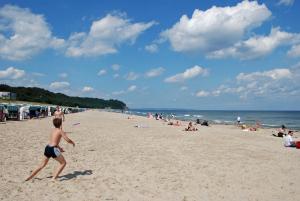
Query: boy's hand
x,y
61,149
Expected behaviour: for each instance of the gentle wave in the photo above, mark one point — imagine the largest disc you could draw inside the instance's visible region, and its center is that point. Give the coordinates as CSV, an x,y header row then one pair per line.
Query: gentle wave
x,y
217,121
198,116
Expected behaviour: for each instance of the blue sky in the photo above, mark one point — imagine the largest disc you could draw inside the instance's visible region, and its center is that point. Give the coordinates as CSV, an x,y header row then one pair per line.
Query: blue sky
x,y
156,54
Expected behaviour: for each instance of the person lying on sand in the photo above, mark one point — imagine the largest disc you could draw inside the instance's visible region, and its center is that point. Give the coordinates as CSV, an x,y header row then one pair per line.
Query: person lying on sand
x,y
204,123
251,128
177,123
191,127
54,150
174,124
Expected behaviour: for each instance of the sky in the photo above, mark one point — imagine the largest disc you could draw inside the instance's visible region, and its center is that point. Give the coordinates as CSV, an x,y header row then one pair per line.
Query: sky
x,y
214,55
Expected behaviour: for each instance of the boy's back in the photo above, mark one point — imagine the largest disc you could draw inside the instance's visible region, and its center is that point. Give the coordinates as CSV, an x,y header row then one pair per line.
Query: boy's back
x,y
55,137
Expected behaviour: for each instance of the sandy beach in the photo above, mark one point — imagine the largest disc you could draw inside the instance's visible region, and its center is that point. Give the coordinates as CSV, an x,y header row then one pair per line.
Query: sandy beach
x,y
114,160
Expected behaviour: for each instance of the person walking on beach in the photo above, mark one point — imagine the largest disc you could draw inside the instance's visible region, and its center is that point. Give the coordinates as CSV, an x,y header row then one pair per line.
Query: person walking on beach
x,y
238,120
58,114
54,150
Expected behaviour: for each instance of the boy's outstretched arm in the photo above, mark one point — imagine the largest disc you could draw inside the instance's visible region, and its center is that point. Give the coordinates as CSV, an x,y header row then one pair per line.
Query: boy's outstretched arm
x,y
63,134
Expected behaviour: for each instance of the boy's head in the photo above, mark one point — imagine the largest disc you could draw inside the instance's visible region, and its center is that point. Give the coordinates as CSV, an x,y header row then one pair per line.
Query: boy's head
x,y
290,132
57,122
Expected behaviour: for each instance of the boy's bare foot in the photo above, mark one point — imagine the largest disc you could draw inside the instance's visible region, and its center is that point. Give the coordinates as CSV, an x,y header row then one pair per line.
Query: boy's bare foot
x,y
54,179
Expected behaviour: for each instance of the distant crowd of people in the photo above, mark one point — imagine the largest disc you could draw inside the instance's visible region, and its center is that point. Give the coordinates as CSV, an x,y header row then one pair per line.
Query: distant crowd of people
x,y
170,119
282,132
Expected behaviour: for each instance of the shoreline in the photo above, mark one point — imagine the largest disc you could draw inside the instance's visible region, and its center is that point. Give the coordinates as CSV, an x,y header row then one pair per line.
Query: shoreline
x,y
217,122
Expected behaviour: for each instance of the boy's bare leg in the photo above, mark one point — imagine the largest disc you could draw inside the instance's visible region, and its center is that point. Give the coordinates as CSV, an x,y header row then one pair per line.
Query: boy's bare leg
x,y
41,166
60,168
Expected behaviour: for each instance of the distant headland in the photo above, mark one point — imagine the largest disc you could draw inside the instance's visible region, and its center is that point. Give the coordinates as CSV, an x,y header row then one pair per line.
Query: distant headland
x,y
35,94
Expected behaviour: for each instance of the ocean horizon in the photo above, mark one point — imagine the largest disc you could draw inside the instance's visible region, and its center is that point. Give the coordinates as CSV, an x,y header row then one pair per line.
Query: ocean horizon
x,y
267,118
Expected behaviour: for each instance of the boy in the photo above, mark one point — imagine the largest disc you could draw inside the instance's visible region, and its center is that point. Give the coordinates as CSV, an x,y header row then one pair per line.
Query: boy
x,y
54,150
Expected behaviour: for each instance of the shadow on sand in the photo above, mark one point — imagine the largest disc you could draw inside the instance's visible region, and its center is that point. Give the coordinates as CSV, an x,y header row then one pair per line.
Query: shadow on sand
x,y
75,174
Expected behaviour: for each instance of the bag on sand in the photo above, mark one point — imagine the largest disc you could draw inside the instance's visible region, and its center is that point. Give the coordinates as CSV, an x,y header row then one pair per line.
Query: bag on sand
x,y
298,144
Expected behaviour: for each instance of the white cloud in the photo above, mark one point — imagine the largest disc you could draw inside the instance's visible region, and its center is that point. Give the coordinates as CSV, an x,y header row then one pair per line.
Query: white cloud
x,y
23,34
188,74
87,89
257,46
12,73
183,88
116,93
152,48
101,72
276,83
59,85
286,2
115,67
202,93
294,51
131,76
16,77
155,72
63,75
116,75
216,28
131,88
38,74
105,36
275,74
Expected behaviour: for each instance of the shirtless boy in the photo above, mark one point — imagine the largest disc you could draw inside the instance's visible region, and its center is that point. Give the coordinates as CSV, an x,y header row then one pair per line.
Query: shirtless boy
x,y
54,150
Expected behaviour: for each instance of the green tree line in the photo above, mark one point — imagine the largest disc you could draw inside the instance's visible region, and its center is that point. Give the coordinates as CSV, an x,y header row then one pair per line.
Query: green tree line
x,y
35,94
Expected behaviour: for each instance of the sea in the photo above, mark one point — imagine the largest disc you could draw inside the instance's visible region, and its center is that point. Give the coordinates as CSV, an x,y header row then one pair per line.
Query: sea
x,y
267,119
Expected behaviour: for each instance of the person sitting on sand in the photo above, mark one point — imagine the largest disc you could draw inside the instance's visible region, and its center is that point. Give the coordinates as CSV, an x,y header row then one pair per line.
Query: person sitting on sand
x,y
54,150
281,131
288,140
191,127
